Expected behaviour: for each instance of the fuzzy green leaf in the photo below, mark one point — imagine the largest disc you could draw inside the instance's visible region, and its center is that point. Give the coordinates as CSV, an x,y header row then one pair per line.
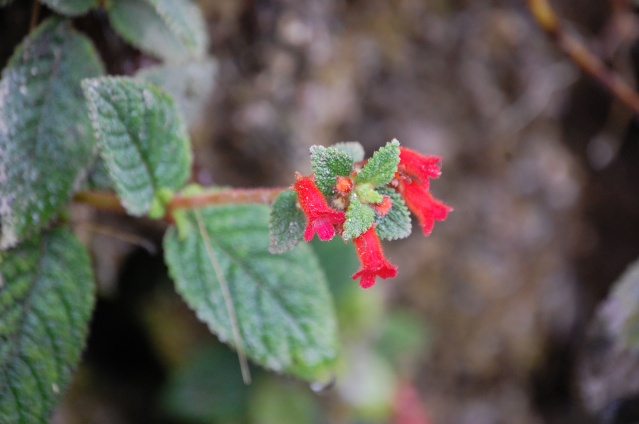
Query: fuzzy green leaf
x,y
144,142
327,164
359,218
46,141
173,30
190,84
352,148
71,7
286,224
396,223
381,168
283,307
46,299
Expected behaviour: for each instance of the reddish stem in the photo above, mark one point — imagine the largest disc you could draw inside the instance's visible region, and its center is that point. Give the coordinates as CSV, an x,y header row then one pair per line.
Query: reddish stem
x,y
264,196
109,201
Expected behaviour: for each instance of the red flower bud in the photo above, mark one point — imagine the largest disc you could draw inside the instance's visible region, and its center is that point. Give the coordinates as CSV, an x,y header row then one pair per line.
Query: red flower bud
x,y
320,218
371,256
344,185
384,206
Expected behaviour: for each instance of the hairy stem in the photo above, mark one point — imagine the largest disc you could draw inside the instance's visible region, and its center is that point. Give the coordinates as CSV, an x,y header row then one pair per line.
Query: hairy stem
x,y
580,55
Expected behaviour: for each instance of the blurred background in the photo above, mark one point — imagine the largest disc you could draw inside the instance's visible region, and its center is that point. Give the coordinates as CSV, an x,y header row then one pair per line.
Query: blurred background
x,y
492,318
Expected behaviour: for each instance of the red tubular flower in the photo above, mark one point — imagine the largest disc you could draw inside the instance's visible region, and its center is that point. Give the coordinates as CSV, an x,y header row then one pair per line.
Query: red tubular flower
x,y
426,208
320,218
413,175
374,264
418,166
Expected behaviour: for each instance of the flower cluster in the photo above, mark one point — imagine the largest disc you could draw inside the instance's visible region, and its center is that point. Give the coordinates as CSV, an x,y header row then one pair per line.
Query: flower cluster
x,y
365,200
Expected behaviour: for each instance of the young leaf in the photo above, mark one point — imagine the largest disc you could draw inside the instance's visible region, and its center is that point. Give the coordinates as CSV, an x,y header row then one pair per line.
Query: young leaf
x,y
144,142
71,7
46,298
286,224
46,141
173,30
396,223
359,218
327,164
352,148
283,308
190,84
381,168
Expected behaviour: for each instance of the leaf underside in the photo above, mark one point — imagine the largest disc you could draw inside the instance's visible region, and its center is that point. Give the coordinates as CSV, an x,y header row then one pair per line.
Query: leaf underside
x,y
144,142
286,224
396,224
284,311
173,30
46,299
46,141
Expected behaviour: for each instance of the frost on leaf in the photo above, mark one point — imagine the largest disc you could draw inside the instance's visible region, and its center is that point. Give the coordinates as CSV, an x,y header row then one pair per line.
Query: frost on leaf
x,y
46,142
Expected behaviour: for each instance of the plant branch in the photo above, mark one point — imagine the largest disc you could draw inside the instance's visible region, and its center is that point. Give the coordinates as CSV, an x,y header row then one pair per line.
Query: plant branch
x,y
580,55
237,195
109,201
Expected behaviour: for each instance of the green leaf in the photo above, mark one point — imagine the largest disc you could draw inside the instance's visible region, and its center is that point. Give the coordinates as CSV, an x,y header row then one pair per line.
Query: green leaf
x,y
327,164
352,148
396,223
46,299
283,307
359,218
286,224
173,30
46,141
71,7
381,168
5,3
144,142
190,84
